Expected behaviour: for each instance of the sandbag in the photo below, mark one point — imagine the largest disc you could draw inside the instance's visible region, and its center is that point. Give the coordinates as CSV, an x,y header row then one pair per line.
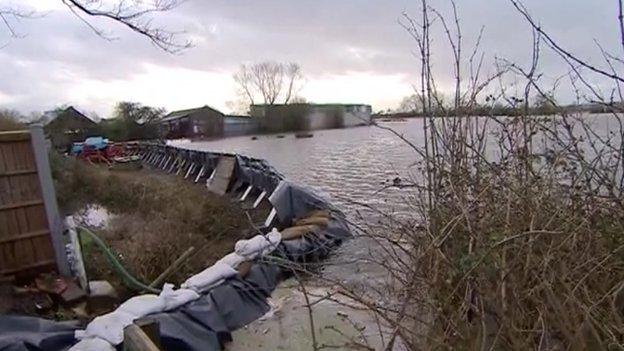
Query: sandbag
x,y
318,213
108,327
209,277
232,259
93,344
299,231
259,245
142,305
320,221
173,299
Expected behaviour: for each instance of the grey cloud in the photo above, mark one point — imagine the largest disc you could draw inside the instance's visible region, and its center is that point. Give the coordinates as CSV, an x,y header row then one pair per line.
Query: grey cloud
x,y
325,37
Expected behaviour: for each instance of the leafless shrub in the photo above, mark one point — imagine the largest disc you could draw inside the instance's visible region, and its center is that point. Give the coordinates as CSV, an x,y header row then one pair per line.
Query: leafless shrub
x,y
514,241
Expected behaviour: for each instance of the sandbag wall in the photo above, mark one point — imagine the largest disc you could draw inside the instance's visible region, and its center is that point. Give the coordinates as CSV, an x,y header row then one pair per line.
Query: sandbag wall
x,y
207,323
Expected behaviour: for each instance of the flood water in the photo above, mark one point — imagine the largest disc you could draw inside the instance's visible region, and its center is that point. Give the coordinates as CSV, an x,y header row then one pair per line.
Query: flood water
x,y
346,165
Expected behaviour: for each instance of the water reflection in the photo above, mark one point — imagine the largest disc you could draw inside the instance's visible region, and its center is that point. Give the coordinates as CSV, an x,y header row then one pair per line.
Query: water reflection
x,y
348,165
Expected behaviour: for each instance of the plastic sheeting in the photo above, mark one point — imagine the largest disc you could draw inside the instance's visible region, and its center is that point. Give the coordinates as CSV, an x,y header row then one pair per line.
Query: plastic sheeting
x,y
18,333
206,323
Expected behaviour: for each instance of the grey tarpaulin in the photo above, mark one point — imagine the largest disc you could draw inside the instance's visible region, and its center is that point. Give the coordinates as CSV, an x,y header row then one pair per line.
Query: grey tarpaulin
x,y
20,333
257,173
294,201
205,324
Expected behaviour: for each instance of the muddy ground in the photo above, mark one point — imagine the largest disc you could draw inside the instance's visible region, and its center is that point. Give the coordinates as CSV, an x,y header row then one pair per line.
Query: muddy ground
x,y
153,218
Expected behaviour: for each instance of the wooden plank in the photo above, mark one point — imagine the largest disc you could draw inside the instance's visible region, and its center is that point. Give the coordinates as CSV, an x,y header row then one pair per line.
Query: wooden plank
x,y
21,204
135,339
18,172
11,217
9,157
36,218
9,255
152,328
16,135
223,175
25,236
3,165
20,155
40,264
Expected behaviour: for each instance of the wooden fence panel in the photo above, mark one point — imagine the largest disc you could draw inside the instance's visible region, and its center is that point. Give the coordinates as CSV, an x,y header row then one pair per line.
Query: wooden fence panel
x,y
25,238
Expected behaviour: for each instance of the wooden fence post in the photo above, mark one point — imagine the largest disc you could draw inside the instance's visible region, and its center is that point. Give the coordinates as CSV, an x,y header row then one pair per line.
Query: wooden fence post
x,y
49,198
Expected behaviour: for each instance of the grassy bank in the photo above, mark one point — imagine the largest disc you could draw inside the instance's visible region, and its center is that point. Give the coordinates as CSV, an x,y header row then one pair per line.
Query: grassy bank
x,y
156,217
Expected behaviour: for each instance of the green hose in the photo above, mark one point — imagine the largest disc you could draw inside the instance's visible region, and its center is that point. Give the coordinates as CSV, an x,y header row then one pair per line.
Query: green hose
x,y
129,280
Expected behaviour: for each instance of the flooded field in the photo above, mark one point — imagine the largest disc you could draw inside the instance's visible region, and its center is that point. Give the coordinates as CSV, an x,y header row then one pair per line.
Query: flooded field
x,y
345,164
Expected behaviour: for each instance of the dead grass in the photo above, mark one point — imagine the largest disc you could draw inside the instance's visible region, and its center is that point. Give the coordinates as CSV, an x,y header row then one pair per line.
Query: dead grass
x,y
156,218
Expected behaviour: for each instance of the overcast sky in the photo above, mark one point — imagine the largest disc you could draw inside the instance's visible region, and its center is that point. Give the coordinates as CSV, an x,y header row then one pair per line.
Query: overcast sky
x,y
350,50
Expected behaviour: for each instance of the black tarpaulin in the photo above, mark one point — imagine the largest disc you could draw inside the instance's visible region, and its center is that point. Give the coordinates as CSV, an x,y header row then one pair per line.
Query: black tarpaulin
x,y
206,323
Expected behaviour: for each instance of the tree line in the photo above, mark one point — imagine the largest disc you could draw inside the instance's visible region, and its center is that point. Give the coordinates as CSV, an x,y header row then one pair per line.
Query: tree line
x,y
129,121
542,104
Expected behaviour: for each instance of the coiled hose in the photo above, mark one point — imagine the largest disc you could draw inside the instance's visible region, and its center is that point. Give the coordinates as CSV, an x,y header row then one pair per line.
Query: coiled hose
x,y
129,280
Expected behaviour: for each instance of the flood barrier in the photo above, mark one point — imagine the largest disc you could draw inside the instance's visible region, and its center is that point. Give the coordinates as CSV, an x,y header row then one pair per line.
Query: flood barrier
x,y
206,323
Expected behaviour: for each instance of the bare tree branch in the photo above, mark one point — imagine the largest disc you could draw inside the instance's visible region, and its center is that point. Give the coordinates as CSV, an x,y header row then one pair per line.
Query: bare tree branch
x,y
270,80
558,48
134,14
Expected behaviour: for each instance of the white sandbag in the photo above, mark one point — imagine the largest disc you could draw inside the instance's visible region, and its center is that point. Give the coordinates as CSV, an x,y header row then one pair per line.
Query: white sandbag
x,y
259,245
232,259
93,344
143,305
173,299
208,277
108,327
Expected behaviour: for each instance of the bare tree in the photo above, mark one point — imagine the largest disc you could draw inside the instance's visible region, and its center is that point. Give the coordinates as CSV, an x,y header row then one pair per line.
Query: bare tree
x,y
134,14
269,80
293,75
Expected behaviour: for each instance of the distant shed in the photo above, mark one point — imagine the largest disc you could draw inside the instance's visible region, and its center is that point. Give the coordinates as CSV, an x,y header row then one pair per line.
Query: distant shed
x,y
192,123
239,125
68,126
293,117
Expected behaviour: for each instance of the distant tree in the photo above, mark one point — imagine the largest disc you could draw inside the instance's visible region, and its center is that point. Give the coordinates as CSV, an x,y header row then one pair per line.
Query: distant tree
x,y
136,112
293,76
11,120
298,100
239,106
410,104
545,104
132,121
135,15
269,81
